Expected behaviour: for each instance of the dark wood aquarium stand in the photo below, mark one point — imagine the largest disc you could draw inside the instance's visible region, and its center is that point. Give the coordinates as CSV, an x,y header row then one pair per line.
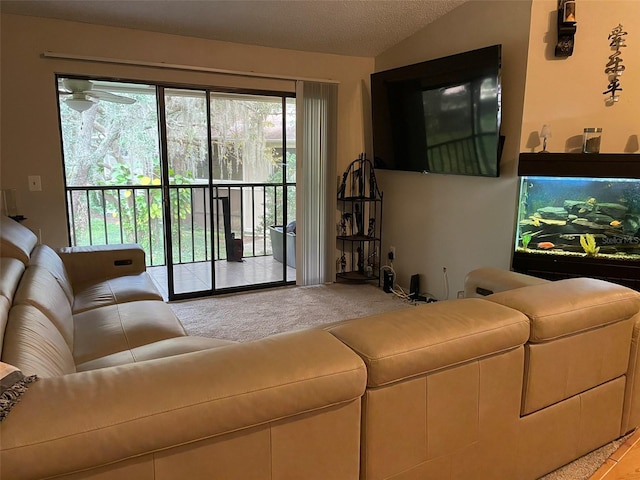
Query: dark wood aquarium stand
x,y
588,165
555,267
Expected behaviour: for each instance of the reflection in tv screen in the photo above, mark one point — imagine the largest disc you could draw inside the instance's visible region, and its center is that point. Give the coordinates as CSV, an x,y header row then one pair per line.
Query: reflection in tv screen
x,y
460,128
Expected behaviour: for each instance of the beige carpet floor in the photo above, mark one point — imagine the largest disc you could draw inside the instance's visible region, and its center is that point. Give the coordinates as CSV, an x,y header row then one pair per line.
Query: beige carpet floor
x,y
249,316
584,467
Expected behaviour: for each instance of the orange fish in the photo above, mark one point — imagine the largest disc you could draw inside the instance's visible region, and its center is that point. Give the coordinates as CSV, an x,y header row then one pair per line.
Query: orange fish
x,y
616,223
546,245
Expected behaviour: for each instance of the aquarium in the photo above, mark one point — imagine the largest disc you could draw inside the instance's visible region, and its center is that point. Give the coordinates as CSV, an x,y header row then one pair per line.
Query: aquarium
x,y
579,217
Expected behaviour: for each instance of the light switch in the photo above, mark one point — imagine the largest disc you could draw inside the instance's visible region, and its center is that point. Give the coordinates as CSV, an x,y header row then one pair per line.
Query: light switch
x,y
35,184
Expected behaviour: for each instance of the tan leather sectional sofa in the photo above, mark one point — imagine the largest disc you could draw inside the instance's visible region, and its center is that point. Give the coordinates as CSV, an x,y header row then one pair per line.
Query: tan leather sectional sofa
x,y
508,386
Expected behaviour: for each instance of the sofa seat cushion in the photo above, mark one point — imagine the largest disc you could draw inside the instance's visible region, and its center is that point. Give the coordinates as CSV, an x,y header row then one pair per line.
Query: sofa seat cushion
x,y
115,328
152,351
128,288
407,343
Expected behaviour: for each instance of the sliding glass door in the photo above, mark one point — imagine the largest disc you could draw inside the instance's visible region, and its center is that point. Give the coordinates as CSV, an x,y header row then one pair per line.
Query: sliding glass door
x,y
253,170
203,180
186,189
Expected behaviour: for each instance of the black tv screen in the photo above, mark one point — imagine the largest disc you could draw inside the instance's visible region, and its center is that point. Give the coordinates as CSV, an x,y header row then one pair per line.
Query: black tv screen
x,y
440,116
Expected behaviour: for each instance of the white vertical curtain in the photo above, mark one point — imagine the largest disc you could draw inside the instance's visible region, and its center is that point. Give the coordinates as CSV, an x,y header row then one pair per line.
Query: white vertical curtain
x,y
316,150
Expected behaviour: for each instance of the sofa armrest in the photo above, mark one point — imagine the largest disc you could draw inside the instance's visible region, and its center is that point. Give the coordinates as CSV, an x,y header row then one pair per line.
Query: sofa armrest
x,y
487,280
101,262
88,419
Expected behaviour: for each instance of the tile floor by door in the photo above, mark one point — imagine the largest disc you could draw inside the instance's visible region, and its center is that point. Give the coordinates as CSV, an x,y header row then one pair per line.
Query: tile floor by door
x,y
193,277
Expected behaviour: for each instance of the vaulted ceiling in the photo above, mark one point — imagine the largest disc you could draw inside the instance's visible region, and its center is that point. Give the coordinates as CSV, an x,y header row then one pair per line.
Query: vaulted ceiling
x,y
344,27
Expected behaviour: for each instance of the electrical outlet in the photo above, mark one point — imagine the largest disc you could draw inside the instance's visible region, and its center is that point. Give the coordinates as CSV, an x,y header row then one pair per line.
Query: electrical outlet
x,y
392,252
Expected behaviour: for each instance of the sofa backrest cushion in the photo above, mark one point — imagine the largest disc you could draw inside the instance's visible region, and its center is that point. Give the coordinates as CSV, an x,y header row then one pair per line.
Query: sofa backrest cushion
x,y
487,280
11,270
16,240
44,256
567,307
5,305
40,289
35,345
406,343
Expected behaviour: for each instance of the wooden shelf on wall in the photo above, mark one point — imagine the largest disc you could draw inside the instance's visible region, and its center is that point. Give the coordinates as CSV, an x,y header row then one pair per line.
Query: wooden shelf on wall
x,y
596,165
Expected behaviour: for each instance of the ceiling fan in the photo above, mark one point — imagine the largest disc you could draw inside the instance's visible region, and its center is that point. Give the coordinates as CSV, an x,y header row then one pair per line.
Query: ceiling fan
x,y
83,96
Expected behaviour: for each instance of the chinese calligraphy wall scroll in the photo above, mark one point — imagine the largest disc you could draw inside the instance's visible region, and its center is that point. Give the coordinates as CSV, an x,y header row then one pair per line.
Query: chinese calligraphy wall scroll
x,y
614,67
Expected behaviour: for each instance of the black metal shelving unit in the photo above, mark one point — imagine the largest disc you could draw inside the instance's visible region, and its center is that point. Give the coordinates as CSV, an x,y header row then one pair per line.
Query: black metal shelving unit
x,y
359,236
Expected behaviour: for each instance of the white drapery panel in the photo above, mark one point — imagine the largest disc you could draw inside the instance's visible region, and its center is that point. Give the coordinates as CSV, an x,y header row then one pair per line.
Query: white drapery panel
x,y
316,149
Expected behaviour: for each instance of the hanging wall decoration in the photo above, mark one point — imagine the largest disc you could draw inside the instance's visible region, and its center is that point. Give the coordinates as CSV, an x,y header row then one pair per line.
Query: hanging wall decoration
x,y
615,67
566,27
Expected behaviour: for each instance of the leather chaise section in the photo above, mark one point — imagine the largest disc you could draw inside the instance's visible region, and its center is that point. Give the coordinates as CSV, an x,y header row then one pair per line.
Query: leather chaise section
x,y
167,402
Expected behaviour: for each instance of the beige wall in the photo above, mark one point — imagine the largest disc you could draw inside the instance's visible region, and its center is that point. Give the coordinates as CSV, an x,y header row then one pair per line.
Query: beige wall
x,y
29,128
433,221
459,222
567,94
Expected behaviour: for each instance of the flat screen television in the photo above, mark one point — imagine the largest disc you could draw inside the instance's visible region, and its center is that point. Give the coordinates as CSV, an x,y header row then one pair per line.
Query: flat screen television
x,y
440,116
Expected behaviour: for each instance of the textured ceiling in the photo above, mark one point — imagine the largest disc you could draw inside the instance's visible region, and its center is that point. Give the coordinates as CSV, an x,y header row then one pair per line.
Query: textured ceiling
x,y
345,27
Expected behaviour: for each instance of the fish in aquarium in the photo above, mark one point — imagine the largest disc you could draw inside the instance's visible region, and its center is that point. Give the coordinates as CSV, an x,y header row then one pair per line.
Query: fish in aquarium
x,y
559,212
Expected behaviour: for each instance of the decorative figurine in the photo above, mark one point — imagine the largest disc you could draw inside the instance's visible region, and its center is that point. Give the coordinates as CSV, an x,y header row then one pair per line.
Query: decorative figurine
x,y
345,223
371,259
343,185
356,182
372,228
373,185
359,214
343,263
545,134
